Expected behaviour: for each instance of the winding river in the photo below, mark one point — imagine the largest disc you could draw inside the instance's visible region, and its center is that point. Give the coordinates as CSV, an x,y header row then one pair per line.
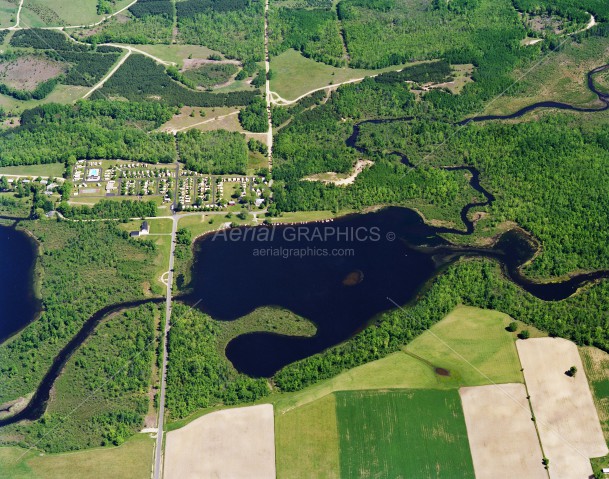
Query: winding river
x,y
397,263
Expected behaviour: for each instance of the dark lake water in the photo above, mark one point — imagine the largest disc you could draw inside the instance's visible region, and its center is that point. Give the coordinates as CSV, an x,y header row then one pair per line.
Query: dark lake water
x,y
18,304
396,254
339,293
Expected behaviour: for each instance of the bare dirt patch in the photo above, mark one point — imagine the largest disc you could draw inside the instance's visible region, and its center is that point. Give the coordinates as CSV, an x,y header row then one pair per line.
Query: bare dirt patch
x,y
27,72
502,437
232,444
566,417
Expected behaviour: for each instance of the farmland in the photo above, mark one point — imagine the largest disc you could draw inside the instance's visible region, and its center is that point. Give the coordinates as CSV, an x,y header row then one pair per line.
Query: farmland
x,y
131,460
545,361
307,440
236,442
468,342
501,434
377,427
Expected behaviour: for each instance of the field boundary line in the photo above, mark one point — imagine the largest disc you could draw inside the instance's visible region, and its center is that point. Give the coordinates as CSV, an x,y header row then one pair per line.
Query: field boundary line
x,y
448,346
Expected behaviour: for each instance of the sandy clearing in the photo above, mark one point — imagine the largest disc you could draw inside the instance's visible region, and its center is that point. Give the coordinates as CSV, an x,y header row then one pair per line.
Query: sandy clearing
x,y
502,437
232,444
332,177
566,416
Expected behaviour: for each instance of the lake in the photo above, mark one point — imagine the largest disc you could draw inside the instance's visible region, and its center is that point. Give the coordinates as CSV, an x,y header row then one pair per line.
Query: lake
x,y
340,292
18,304
391,253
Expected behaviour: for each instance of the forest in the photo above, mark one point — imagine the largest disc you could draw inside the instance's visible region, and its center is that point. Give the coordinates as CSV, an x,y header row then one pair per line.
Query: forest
x,y
233,27
101,129
434,72
149,29
210,75
254,117
571,9
142,79
86,266
144,8
217,152
198,376
114,365
314,33
124,210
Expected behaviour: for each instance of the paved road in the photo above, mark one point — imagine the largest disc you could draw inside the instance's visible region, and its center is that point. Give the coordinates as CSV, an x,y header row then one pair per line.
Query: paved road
x,y
158,455
161,418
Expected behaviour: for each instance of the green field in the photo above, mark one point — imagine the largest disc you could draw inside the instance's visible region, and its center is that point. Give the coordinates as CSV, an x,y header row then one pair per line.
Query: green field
x,y
408,433
132,460
467,342
295,75
473,346
306,440
50,169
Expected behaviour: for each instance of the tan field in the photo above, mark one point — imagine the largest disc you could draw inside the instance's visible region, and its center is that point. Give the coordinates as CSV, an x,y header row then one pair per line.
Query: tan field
x,y
566,417
232,444
502,437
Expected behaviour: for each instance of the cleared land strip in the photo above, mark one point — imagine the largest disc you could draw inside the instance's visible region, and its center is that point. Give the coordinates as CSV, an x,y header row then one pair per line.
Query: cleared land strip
x,y
566,416
502,437
233,444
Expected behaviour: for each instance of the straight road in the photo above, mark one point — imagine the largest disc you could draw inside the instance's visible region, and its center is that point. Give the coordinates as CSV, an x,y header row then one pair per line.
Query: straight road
x,y
158,455
267,67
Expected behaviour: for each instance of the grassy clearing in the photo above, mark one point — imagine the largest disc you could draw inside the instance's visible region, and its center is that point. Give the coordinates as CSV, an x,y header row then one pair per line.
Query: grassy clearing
x,y
472,338
206,222
409,433
307,441
47,170
559,77
157,226
8,14
132,460
295,75
304,216
473,345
